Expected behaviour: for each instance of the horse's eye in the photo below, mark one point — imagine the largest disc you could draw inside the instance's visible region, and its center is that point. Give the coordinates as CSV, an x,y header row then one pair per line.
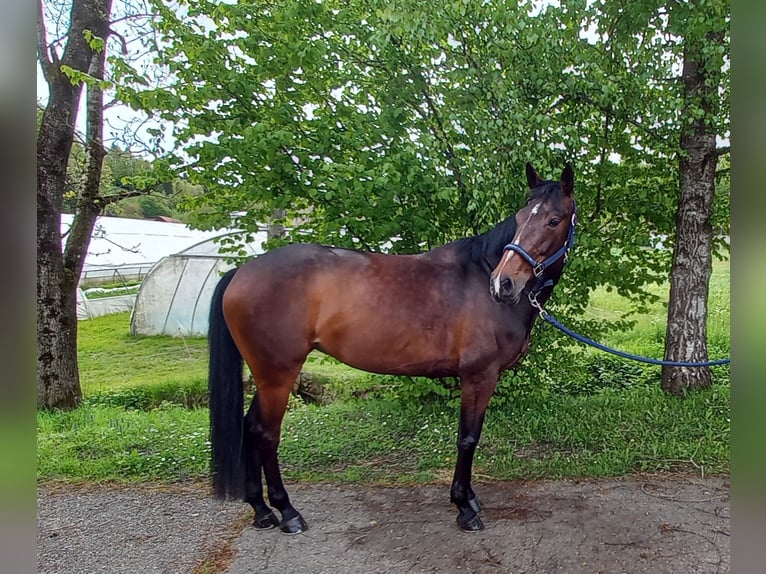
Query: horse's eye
x,y
554,222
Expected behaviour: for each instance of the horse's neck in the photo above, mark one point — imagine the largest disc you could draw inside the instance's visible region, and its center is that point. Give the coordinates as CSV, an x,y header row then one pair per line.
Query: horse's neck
x,y
468,253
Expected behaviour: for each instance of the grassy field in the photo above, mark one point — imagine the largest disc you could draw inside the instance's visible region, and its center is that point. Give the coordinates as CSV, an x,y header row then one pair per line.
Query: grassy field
x,y
648,335
144,416
607,434
110,358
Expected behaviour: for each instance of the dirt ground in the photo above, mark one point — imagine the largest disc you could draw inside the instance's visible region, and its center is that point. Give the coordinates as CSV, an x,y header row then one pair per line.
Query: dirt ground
x,y
647,524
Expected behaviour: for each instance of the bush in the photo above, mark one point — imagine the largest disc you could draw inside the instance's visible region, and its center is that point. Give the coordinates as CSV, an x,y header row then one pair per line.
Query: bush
x,y
190,395
606,372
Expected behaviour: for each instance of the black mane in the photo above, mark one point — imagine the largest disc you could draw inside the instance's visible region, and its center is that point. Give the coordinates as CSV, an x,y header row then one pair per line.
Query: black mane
x,y
485,250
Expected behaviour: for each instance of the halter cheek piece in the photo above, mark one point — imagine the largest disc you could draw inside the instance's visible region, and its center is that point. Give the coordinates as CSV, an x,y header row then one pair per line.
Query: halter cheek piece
x,y
539,267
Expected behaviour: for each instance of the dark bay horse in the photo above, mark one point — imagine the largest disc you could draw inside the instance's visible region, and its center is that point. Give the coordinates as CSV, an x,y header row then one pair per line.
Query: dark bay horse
x,y
460,310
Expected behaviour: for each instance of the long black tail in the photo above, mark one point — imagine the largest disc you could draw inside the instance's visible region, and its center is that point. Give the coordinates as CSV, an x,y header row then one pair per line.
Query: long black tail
x,y
226,401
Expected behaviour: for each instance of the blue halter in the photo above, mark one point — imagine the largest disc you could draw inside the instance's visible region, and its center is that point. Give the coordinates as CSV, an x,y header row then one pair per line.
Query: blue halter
x,y
539,267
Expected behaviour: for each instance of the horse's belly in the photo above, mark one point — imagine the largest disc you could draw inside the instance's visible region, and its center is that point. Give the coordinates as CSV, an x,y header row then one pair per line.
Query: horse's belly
x,y
392,353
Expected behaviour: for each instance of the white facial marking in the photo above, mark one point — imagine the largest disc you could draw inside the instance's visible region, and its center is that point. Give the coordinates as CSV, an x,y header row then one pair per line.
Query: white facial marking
x,y
503,262
523,226
508,254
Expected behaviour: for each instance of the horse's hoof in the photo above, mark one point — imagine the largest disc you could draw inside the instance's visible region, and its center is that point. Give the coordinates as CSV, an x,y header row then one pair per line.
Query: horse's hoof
x,y
474,504
294,525
266,522
470,523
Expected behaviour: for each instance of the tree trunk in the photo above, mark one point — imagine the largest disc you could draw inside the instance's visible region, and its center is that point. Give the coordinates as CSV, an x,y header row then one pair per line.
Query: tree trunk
x,y
276,229
686,335
58,382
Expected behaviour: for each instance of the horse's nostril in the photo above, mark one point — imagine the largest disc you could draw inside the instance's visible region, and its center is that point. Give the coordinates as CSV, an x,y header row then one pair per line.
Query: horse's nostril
x,y
506,286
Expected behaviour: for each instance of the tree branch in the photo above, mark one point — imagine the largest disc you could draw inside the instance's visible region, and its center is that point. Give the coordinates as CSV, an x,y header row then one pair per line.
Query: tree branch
x,y
105,200
123,41
44,56
621,116
88,207
601,163
147,16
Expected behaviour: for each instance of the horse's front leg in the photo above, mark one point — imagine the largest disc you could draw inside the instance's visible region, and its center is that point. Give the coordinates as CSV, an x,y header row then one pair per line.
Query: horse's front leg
x,y
475,395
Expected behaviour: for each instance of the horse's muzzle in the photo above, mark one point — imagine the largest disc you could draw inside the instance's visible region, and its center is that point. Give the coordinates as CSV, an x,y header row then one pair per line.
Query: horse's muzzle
x,y
502,290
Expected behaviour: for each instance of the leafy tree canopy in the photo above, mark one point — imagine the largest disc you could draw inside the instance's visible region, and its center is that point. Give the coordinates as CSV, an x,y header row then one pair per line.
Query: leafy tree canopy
x,y
407,124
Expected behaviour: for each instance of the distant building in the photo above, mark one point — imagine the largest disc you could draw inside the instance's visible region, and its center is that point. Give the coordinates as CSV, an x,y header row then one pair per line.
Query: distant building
x,y
123,249
165,219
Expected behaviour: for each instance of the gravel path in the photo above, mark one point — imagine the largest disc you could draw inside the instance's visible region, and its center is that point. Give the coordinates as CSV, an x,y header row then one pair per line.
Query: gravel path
x,y
633,525
127,530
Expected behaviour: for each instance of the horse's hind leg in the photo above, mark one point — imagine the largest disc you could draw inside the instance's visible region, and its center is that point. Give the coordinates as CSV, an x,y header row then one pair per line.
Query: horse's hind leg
x,y
264,517
273,393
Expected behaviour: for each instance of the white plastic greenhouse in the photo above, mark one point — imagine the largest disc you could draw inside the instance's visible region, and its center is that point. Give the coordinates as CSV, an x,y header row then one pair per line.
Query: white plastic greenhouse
x,y
122,251
174,297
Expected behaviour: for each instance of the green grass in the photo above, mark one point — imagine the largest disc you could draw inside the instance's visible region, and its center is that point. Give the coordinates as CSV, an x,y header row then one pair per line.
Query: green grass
x,y
603,435
110,358
100,293
144,415
647,337
103,443
387,441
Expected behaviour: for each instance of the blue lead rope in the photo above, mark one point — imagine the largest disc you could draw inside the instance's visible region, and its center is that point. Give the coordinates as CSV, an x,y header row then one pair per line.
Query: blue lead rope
x,y
539,268
553,321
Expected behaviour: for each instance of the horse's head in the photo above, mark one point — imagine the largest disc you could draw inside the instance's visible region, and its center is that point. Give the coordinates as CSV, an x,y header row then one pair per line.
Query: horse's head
x,y
544,233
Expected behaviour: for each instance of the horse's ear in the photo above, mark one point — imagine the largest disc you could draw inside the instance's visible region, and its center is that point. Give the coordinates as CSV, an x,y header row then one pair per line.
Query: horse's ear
x,y
567,179
533,180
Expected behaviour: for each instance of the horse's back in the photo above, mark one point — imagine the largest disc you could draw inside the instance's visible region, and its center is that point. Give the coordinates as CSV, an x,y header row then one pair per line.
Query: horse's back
x,y
303,270
290,272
